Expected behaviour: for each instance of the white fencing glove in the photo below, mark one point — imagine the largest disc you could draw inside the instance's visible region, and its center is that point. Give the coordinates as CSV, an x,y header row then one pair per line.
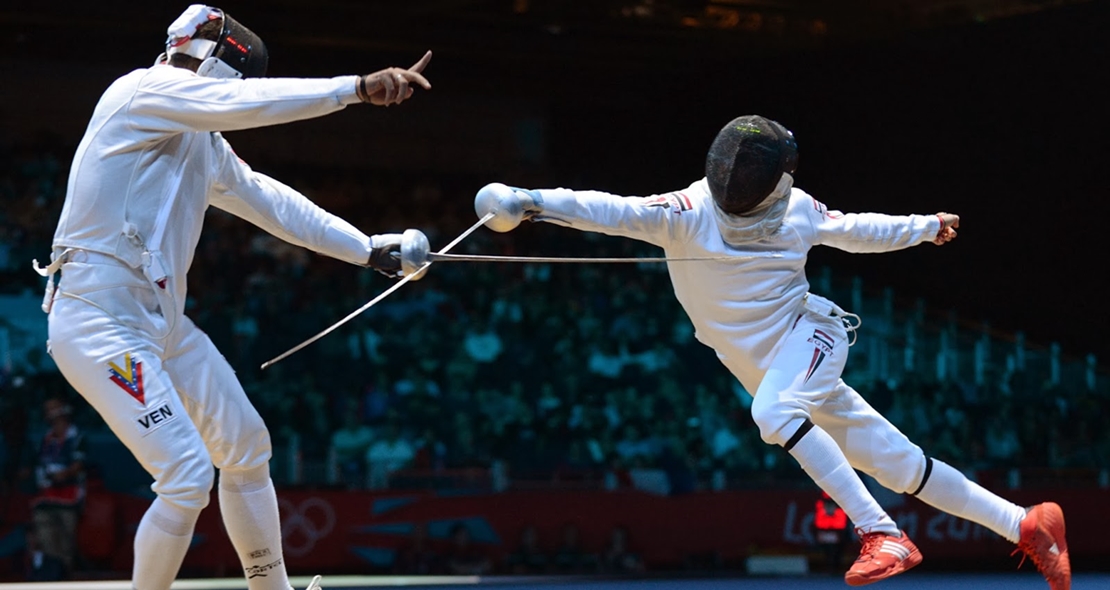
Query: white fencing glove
x,y
509,205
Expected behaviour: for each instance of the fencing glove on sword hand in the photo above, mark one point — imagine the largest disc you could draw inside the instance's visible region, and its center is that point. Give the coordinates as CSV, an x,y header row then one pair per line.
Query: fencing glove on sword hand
x,y
509,205
385,254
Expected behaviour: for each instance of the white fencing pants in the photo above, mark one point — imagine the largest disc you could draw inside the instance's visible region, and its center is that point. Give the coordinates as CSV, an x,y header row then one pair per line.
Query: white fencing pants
x,y
161,386
803,383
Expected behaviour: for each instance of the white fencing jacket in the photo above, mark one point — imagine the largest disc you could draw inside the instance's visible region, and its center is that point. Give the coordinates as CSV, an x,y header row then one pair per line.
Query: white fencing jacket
x,y
741,309
152,160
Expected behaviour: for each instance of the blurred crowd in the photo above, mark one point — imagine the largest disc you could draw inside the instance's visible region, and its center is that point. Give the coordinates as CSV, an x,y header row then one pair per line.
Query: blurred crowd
x,y
579,374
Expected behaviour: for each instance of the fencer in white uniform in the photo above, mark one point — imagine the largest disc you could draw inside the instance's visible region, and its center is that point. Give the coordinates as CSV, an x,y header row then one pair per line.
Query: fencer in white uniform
x,y
786,345
151,162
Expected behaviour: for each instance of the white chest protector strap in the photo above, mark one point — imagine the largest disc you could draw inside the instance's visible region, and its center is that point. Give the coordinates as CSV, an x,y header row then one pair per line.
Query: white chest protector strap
x,y
154,265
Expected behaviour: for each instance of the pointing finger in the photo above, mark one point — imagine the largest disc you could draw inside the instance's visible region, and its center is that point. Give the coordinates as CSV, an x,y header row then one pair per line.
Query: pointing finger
x,y
420,65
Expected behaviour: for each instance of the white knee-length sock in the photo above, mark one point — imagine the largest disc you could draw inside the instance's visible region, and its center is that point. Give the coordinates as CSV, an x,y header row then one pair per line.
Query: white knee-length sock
x,y
951,491
249,508
163,539
826,464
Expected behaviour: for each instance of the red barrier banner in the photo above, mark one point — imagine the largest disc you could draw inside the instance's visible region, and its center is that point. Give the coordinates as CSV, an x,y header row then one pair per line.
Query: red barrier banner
x,y
359,532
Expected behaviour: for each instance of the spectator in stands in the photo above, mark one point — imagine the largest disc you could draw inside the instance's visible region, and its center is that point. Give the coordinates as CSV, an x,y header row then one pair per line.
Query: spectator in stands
x,y
528,558
657,359
679,462
618,558
463,558
377,397
415,382
724,441
416,557
575,464
466,452
244,327
431,453
607,359
945,447
634,444
483,346
60,475
571,558
4,459
389,453
617,475
38,565
349,446
1001,441
547,401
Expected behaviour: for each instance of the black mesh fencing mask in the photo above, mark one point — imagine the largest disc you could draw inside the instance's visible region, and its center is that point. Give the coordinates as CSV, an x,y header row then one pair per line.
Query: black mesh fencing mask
x,y
746,161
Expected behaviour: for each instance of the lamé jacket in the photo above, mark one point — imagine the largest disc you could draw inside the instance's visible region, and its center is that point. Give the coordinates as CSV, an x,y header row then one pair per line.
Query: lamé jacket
x,y
152,161
741,308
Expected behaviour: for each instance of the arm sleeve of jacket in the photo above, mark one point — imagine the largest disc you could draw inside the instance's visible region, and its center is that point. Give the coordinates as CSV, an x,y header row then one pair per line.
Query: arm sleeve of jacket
x,y
656,219
282,211
869,232
182,101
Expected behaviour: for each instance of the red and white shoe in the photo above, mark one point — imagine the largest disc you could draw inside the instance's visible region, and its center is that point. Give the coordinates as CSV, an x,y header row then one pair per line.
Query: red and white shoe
x,y
881,557
1042,540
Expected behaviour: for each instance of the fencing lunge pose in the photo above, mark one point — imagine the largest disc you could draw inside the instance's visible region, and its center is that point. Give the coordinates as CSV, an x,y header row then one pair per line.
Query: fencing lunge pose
x,y
787,345
151,162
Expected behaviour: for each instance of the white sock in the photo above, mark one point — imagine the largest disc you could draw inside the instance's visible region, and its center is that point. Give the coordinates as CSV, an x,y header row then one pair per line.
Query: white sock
x,y
949,490
826,464
163,538
249,507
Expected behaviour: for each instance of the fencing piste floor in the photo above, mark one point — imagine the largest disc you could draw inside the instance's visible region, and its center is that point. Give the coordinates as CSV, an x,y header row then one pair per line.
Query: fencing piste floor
x,y
922,581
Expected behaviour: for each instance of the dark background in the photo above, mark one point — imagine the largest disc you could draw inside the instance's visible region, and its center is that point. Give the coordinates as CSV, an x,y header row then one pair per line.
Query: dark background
x,y
999,117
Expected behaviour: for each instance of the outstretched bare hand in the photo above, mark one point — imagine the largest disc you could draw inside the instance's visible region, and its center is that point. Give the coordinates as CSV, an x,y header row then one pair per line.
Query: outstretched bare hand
x,y
392,85
949,223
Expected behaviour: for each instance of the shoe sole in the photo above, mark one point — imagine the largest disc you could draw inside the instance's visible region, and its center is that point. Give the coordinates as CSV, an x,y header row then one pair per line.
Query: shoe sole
x,y
908,563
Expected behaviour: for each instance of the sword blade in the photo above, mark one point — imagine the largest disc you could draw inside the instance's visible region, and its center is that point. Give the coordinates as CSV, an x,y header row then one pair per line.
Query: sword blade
x,y
439,257
381,296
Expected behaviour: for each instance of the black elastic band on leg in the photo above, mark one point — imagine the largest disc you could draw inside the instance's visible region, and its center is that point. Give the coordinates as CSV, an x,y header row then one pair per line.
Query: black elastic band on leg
x,y
924,478
802,430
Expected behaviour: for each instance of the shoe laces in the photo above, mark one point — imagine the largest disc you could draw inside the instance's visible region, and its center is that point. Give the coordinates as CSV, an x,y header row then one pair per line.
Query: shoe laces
x,y
872,542
1029,551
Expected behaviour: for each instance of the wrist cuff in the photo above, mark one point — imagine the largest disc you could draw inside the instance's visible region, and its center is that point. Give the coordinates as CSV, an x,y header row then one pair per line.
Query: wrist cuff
x,y
360,89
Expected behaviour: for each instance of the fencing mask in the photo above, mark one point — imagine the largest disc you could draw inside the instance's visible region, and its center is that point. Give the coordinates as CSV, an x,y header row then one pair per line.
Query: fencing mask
x,y
746,161
235,52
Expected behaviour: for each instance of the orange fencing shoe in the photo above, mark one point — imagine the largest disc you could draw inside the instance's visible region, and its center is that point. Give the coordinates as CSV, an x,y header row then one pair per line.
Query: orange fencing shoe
x,y
1042,540
882,556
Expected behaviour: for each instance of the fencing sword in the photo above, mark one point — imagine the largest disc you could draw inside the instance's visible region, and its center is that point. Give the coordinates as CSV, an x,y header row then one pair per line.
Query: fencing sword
x,y
410,274
416,255
436,257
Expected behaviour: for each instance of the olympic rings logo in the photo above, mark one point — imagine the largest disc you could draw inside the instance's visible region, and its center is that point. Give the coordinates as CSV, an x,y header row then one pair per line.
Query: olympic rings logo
x,y
304,525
